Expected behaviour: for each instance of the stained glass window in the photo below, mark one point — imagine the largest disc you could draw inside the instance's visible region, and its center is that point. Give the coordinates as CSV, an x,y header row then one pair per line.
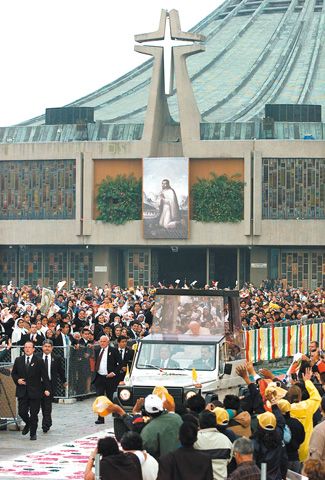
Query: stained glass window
x,y
37,189
303,269
55,267
317,269
81,267
30,266
8,266
295,268
138,266
46,266
293,188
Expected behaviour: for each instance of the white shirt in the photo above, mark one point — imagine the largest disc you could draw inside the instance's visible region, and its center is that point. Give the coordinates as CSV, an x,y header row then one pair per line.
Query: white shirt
x,y
102,370
30,359
49,363
149,464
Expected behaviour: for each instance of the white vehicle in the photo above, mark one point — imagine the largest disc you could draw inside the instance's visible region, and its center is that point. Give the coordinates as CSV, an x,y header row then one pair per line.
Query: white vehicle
x,y
195,346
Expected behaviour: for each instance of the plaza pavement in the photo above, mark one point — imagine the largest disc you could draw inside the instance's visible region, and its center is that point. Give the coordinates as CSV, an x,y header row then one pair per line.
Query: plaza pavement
x,y
70,421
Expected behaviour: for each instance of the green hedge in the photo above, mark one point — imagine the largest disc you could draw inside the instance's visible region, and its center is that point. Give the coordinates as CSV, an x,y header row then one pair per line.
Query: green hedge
x,y
219,199
119,199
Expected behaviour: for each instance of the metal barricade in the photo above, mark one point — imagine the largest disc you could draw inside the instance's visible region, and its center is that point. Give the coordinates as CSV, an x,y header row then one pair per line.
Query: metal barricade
x,y
78,365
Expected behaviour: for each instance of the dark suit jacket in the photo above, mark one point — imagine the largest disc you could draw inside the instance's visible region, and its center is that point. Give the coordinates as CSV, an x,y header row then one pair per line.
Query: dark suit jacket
x,y
185,463
170,364
112,361
127,360
99,330
58,341
83,355
133,335
36,377
204,365
26,338
57,372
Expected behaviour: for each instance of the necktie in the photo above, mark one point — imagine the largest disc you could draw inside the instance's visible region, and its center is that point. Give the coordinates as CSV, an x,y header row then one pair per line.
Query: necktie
x,y
99,358
67,340
47,365
121,352
27,363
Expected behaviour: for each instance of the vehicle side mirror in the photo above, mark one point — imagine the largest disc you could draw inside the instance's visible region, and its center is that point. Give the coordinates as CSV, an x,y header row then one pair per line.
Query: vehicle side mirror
x,y
227,369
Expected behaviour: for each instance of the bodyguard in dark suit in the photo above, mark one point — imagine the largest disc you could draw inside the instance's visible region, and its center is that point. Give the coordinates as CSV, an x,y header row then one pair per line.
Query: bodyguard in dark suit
x,y
107,369
32,382
55,371
124,356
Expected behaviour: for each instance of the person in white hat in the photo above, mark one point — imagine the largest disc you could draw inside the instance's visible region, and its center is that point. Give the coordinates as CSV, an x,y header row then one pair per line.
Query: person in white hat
x,y
160,435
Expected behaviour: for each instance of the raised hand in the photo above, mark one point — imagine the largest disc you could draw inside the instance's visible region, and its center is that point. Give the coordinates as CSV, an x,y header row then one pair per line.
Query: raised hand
x,y
266,373
307,375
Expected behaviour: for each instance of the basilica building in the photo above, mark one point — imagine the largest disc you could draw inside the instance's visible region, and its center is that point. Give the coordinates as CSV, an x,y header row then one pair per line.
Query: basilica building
x,y
208,169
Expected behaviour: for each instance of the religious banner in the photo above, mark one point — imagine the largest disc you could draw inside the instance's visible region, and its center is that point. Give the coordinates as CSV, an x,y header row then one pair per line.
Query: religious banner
x,y
165,198
47,300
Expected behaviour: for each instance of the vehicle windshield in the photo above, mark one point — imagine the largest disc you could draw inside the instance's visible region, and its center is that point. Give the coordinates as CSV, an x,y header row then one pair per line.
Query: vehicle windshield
x,y
179,356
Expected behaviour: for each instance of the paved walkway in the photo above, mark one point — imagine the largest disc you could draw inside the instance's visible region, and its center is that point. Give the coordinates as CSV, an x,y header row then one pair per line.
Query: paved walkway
x,y
70,421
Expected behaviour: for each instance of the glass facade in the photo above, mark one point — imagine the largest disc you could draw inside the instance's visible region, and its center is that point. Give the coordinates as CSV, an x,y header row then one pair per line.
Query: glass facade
x,y
302,269
138,268
37,189
46,266
293,188
81,267
8,266
30,266
55,266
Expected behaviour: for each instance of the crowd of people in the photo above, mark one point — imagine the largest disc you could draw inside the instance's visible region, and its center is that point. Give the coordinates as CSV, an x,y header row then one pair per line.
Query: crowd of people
x,y
271,304
228,439
280,425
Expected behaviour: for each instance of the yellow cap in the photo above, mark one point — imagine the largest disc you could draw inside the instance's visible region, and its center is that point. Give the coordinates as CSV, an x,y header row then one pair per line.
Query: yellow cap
x,y
222,416
284,406
103,406
267,420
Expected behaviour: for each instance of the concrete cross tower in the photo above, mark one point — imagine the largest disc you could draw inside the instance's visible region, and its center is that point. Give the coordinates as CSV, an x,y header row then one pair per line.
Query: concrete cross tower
x,y
170,60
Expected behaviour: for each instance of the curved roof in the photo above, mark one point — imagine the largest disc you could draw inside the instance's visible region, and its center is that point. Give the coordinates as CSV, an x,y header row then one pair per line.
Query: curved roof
x,y
257,52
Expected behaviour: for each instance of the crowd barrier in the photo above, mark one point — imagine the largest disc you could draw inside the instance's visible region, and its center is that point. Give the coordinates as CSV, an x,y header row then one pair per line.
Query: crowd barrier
x,y
278,341
78,365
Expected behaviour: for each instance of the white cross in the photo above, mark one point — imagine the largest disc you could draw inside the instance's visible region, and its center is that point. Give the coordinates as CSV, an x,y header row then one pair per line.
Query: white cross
x,y
168,42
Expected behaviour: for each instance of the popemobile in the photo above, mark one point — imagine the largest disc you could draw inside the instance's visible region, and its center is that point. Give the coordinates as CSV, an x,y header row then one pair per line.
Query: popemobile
x,y
183,355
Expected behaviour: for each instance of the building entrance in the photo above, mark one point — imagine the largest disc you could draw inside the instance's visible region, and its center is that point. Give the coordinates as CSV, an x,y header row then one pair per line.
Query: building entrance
x,y
223,266
179,263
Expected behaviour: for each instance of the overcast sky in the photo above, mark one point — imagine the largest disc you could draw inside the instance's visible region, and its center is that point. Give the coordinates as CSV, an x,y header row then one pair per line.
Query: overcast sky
x,y
56,51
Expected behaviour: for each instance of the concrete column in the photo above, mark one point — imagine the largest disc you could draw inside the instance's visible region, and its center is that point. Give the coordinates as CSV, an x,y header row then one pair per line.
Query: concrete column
x,y
101,265
78,199
157,114
88,194
208,265
247,192
259,266
257,194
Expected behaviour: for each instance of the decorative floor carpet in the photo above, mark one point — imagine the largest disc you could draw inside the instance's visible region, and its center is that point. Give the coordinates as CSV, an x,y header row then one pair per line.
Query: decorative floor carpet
x,y
66,461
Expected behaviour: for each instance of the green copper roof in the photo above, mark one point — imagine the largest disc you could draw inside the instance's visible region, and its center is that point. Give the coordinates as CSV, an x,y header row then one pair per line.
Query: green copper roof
x,y
257,52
